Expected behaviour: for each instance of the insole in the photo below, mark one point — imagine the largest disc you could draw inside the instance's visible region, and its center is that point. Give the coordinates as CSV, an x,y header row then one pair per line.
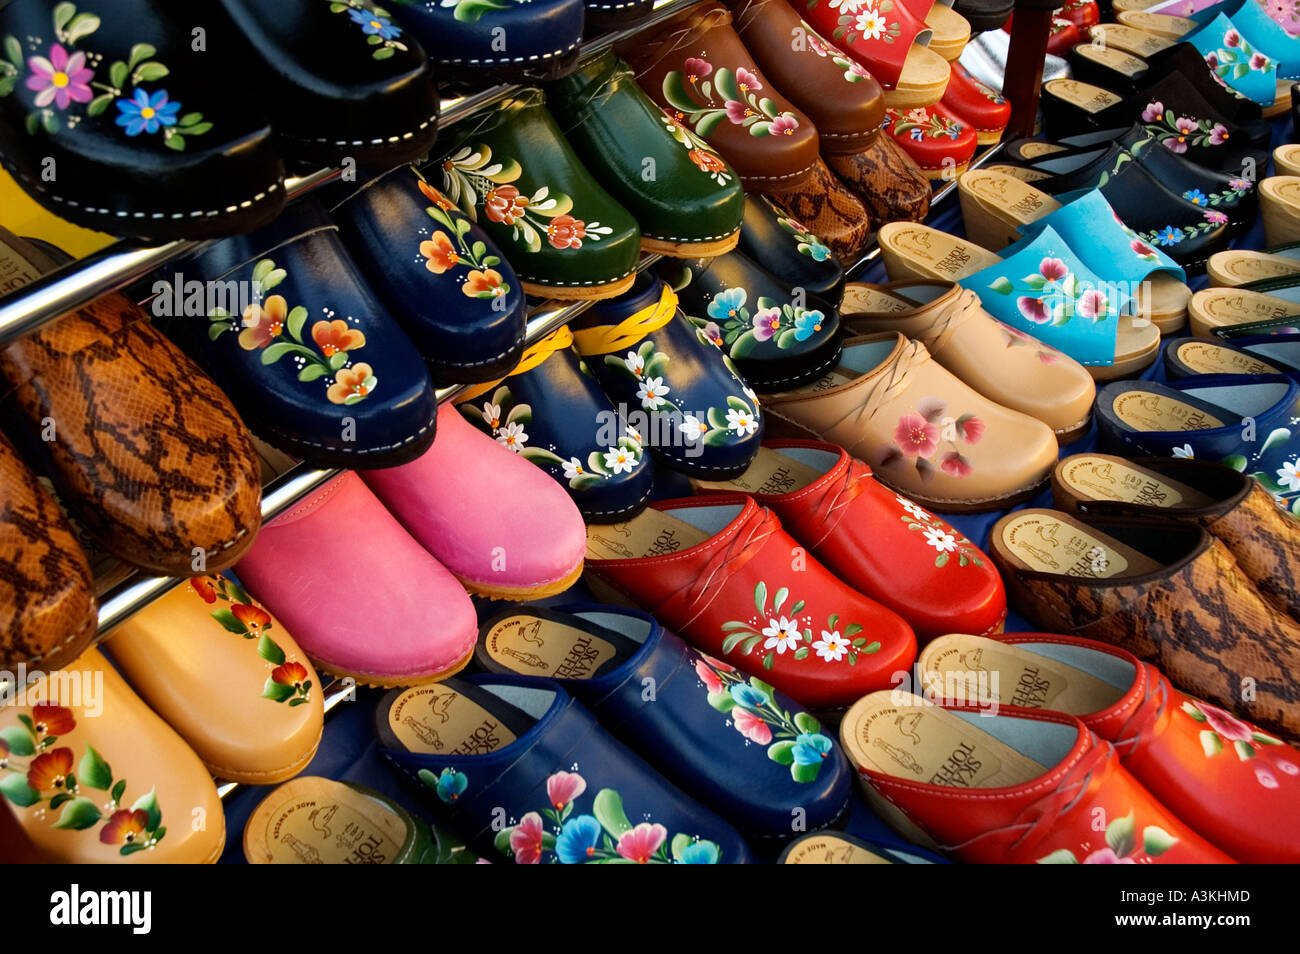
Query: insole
x,y
1242,265
936,254
1048,541
965,666
1221,307
1149,411
1103,477
1126,38
441,720
1029,175
771,473
318,821
827,848
537,642
1206,357
924,743
650,533
1124,63
861,299
831,379
1157,24
1089,98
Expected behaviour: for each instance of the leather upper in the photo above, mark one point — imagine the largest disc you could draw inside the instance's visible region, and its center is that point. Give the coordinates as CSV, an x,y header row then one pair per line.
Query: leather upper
x,y
788,250
540,35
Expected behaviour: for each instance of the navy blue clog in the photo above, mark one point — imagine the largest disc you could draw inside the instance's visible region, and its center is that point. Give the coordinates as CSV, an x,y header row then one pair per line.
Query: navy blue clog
x,y
670,381
1256,354
1250,423
312,361
728,739
510,41
441,277
838,848
551,411
524,771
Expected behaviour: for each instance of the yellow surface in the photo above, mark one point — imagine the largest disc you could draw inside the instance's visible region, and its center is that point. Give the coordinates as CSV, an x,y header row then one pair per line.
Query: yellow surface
x,y
21,214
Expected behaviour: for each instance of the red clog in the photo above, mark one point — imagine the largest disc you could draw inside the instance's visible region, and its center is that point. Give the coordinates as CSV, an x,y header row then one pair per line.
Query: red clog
x,y
939,141
978,106
876,541
720,572
1084,14
1064,35
1235,785
1017,787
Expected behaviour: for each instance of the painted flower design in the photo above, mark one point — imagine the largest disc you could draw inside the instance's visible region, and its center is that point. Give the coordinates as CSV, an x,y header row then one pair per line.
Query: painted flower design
x,y
566,232
1142,249
807,324
49,771
870,24
726,304
737,111
1107,856
526,840
487,283
697,69
1153,112
640,843
916,436
513,436
451,785
504,204
1092,304
783,126
60,79
832,646
751,726
1215,217
707,676
351,384
692,427
124,827
573,468
940,539
1196,197
1169,236
955,465
782,634
205,588
255,620
52,720
434,196
635,363
263,323
147,113
706,161
373,24
811,748
334,337
742,422
440,255
747,81
578,840
620,460
563,787
767,322
1185,452
290,674
651,392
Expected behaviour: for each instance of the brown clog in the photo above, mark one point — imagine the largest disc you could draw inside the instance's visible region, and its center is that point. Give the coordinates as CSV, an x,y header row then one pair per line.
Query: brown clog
x,y
830,210
887,179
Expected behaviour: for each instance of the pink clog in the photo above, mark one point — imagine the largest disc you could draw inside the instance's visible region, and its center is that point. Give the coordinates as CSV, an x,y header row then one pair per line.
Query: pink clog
x,y
360,595
499,523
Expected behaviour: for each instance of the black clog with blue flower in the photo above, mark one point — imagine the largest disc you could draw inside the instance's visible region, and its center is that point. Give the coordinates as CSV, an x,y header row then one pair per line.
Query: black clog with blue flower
x,y
550,410
787,249
310,358
111,119
669,380
525,773
779,337
439,274
726,738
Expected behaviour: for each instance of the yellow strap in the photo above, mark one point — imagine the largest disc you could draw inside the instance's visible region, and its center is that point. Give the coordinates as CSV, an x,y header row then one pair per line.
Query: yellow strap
x,y
606,339
557,340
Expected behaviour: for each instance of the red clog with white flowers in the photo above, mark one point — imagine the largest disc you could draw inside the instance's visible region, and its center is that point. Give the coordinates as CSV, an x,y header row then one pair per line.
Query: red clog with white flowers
x,y
1009,786
1234,784
1062,38
1084,14
981,107
938,140
876,541
722,573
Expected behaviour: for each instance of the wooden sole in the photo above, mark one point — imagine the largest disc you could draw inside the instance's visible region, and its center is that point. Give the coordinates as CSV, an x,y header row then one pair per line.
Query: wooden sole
x,y
1126,38
579,292
923,81
1213,308
690,249
1282,103
1138,341
1239,266
1084,96
1279,203
1286,160
944,174
1123,63
1158,24
937,505
989,137
362,679
950,31
522,593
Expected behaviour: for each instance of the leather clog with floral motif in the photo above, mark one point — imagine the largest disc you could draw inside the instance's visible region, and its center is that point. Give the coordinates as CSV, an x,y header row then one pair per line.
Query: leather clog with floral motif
x,y
939,141
325,569
671,381
95,777
1009,786
1232,783
347,81
476,330
456,500
313,361
787,249
696,67
980,107
110,119
924,432
877,542
484,744
779,337
265,724
739,746
685,198
830,208
717,571
550,410
510,169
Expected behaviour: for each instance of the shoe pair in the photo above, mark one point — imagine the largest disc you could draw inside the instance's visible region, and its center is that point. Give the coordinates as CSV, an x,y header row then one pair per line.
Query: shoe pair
x,y
370,572
117,96
1094,756
1208,596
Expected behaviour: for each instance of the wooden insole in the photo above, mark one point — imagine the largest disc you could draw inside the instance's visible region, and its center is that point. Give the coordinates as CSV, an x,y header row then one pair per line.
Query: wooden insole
x,y
1089,98
538,646
829,848
318,821
1116,59
1048,541
967,666
1149,411
1206,357
439,720
650,533
771,473
1104,477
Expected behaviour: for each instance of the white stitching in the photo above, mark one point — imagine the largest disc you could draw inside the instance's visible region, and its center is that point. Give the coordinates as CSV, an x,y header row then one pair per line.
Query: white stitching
x,y
365,142
479,61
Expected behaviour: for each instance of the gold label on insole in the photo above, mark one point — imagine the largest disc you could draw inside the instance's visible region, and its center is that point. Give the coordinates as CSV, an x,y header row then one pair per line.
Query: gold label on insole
x,y
542,647
859,300
435,719
1109,480
651,533
771,473
1022,201
15,271
1126,38
1209,358
1092,99
829,850
1228,309
1252,266
937,250
1032,150
913,743
332,827
1018,682
1117,60
1161,23
1052,546
1157,412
